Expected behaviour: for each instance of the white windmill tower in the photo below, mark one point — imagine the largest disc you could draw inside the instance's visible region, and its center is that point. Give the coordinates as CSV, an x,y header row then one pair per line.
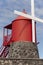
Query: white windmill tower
x,y
31,17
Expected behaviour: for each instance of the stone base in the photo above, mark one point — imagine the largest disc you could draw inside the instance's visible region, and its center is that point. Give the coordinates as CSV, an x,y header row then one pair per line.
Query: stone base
x,y
30,61
23,50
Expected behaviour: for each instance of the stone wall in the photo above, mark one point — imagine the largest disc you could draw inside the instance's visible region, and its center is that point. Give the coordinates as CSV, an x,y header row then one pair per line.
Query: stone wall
x,y
22,53
23,50
13,61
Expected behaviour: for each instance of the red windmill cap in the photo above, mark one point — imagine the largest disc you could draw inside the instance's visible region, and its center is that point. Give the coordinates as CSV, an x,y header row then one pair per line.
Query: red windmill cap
x,y
22,17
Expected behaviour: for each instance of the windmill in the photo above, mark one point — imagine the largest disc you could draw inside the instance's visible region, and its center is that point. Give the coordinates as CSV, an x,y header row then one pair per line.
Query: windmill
x,y
31,17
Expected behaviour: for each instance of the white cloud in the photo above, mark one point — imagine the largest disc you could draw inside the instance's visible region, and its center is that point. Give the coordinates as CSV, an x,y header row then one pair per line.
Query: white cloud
x,y
39,12
39,28
6,16
18,4
10,1
6,13
39,8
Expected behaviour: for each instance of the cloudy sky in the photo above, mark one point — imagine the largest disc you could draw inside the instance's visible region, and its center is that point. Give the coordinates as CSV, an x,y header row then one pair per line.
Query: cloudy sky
x,y
7,8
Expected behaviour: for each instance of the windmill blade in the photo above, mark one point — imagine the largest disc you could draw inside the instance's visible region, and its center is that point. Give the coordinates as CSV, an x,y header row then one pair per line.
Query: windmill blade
x,y
33,22
28,16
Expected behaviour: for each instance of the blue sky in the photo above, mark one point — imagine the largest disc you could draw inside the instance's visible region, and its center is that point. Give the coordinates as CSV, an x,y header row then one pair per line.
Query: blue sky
x,y
7,8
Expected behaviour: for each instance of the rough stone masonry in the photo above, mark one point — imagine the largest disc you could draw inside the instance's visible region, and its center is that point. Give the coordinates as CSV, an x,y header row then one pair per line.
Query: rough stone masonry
x,y
23,50
22,53
30,61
